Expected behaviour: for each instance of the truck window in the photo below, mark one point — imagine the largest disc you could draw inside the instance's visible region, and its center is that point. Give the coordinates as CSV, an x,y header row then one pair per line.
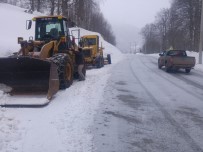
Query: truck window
x,y
177,53
48,27
91,41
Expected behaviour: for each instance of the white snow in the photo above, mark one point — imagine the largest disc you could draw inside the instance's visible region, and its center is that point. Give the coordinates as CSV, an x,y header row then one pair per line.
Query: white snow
x,y
62,126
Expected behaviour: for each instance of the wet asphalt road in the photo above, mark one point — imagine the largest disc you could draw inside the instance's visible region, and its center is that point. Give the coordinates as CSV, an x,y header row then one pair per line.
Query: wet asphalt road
x,y
148,110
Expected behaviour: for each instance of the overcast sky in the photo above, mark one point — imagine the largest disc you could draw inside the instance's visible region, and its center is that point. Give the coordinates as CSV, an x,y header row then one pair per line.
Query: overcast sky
x,y
132,12
127,17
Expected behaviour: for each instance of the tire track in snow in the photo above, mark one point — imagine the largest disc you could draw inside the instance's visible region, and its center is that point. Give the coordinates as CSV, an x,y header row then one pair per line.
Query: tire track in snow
x,y
172,121
180,87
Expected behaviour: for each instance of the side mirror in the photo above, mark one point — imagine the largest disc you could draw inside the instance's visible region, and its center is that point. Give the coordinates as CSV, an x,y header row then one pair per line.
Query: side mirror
x,y
20,39
28,24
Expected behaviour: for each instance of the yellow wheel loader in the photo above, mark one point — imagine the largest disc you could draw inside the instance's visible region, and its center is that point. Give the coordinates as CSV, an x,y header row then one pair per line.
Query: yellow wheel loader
x,y
43,65
94,55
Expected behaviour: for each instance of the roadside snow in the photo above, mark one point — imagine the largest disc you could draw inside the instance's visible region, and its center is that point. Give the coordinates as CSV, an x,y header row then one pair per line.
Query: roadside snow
x,y
65,124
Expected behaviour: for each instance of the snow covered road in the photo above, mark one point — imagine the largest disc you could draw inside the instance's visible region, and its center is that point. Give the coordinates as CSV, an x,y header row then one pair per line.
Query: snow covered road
x,y
128,106
150,110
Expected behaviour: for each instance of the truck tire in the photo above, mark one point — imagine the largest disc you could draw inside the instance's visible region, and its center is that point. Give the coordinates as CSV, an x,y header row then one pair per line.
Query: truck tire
x,y
109,58
65,70
159,65
99,63
187,70
167,69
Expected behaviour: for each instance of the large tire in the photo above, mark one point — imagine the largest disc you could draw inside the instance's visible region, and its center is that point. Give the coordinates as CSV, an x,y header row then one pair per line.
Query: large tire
x,y
65,70
99,63
159,64
109,58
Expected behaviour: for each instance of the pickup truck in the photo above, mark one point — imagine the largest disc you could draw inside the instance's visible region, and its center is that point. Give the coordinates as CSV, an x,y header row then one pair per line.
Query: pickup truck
x,y
175,60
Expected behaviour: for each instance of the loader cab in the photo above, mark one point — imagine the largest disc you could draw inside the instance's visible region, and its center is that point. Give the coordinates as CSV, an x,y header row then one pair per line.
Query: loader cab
x,y
53,28
50,28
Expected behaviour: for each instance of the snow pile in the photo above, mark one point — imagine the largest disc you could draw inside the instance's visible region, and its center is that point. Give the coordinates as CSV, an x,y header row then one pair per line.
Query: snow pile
x,y
13,25
65,124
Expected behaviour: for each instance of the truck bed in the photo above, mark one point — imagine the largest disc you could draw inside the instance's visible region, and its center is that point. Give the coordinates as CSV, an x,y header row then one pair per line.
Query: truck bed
x,y
183,61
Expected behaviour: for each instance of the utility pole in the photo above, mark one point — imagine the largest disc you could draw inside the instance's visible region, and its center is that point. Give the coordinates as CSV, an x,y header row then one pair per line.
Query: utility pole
x,y
201,37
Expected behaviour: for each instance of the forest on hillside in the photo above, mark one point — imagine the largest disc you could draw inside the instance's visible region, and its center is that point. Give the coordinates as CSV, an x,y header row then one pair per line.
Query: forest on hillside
x,y
176,27
84,13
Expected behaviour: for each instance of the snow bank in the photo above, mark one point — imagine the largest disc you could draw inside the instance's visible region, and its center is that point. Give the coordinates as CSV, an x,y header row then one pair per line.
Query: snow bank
x,y
13,25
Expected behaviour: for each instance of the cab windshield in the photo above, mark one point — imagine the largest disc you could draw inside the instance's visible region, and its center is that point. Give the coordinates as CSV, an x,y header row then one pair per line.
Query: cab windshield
x,y
49,28
91,41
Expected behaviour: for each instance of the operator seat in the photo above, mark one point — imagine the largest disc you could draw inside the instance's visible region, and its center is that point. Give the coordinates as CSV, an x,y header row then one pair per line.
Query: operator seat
x,y
54,33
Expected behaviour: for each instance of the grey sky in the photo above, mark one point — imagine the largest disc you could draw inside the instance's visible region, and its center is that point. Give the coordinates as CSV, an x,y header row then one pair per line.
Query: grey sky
x,y
132,12
127,17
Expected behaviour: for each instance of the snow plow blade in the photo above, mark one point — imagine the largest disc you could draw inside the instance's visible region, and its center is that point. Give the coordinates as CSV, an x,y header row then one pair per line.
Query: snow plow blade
x,y
28,76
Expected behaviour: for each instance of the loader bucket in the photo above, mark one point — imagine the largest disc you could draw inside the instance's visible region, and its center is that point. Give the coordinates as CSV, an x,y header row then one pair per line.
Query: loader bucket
x,y
27,75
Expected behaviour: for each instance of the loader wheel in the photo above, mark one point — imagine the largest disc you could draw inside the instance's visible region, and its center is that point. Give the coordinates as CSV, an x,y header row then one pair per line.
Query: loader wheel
x,y
109,58
65,70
